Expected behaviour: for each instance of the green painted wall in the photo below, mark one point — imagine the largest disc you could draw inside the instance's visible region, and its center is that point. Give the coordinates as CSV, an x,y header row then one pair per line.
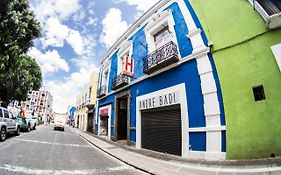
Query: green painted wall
x,y
241,49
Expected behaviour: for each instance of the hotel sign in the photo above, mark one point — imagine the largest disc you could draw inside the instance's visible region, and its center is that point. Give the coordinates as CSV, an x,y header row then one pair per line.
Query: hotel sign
x,y
159,101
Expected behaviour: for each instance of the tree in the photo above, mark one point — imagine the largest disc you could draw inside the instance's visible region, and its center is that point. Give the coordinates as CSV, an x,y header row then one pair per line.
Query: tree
x,y
18,29
26,76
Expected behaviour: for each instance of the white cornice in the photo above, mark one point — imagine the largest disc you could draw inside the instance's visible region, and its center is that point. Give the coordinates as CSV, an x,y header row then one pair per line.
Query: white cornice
x,y
134,26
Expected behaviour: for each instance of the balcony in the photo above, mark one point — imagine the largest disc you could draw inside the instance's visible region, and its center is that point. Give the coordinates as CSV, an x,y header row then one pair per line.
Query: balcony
x,y
119,81
101,91
160,58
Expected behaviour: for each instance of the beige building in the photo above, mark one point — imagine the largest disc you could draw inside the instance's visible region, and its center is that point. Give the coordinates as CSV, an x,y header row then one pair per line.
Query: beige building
x,y
85,105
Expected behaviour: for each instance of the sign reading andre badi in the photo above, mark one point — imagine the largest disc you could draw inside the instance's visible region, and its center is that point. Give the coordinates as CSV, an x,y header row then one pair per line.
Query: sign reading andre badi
x,y
159,101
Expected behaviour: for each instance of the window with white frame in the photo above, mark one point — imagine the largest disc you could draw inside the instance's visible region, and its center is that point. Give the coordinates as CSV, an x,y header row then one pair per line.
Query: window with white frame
x,y
160,30
105,77
162,37
270,11
124,52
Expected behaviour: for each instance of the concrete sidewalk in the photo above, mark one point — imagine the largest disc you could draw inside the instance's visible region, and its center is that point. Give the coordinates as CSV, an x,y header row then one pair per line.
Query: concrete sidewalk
x,y
174,165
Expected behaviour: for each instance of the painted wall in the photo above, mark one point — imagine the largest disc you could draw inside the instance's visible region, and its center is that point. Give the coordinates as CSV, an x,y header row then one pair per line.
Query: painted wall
x,y
242,55
185,73
82,110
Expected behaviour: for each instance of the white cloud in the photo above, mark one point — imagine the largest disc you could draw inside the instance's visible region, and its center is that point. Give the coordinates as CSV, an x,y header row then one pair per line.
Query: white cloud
x,y
75,40
61,9
140,4
49,61
92,21
56,33
113,27
65,92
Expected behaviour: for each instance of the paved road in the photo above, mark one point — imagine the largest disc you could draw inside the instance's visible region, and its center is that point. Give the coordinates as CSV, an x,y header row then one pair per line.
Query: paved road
x,y
45,151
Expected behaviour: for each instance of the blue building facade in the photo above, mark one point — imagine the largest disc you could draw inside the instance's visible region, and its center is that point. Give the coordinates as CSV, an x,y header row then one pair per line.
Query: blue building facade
x,y
159,89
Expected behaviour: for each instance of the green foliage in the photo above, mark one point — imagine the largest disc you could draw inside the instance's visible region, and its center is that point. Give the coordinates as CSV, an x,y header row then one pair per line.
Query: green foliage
x,y
15,83
18,28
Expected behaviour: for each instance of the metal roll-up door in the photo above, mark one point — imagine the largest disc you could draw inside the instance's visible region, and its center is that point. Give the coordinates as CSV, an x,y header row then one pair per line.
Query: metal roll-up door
x,y
161,129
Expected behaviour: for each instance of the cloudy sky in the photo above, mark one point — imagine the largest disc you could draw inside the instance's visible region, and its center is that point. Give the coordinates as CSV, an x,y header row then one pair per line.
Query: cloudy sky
x,y
75,36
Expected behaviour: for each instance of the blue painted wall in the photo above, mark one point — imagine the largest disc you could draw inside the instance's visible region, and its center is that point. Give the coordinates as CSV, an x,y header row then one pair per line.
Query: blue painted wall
x,y
186,73
113,69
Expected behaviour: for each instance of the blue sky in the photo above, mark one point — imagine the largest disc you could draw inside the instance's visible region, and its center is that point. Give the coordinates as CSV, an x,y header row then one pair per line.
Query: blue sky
x,y
75,36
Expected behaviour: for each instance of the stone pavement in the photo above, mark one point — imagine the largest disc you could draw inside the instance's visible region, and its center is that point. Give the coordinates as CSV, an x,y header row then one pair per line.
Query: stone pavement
x,y
163,164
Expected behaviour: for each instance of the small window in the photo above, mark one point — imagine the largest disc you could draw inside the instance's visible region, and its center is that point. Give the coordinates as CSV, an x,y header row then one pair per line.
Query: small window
x,y
1,114
90,92
105,76
162,37
259,93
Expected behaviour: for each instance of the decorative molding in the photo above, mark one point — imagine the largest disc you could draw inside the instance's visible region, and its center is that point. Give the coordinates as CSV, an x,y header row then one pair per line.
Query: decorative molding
x,y
194,32
208,129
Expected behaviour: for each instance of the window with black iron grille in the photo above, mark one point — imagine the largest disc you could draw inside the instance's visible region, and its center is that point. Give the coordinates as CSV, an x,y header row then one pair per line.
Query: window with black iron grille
x,y
258,93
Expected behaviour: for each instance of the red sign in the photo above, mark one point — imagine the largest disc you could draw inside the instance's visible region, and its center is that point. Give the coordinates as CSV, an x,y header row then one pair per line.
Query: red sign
x,y
104,112
129,66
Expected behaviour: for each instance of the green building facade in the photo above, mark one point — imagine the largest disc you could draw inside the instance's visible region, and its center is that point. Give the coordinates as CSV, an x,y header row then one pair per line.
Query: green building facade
x,y
241,37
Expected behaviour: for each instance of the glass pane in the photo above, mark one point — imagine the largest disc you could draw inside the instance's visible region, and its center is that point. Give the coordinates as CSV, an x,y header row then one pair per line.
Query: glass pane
x,y
1,114
162,37
6,114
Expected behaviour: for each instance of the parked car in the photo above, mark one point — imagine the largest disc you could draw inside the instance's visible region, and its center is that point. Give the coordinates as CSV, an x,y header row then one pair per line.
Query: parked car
x,y
8,124
59,123
27,123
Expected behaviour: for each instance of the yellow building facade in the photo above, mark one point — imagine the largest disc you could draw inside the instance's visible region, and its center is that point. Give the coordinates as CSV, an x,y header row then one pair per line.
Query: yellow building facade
x,y
85,105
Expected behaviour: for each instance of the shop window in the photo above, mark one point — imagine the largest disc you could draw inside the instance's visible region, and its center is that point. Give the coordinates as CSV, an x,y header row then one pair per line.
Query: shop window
x,y
258,92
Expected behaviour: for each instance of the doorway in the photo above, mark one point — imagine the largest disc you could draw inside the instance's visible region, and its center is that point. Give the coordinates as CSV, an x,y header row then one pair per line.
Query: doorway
x,y
90,122
122,118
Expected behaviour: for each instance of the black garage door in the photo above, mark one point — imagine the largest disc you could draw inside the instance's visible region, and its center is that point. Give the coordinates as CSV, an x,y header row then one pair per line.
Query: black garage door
x,y
161,129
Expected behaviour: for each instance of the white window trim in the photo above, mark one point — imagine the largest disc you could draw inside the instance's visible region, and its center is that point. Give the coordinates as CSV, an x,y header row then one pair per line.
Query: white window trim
x,y
157,23
126,47
276,50
106,69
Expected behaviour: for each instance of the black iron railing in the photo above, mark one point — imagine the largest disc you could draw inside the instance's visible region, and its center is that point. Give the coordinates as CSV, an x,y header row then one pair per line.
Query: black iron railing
x,y
101,91
161,58
119,81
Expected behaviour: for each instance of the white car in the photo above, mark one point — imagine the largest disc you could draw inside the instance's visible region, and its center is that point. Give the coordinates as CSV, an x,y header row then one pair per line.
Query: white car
x,y
33,121
8,124
59,123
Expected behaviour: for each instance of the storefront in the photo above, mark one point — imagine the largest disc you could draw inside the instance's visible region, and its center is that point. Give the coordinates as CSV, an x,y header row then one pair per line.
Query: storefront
x,y
162,121
104,121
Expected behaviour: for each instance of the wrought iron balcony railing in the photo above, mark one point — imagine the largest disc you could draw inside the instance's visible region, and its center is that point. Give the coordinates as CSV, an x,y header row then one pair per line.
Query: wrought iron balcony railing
x,y
161,58
119,81
101,91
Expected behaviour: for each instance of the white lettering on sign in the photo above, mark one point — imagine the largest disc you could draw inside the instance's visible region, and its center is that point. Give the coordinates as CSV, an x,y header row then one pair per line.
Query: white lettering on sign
x,y
160,101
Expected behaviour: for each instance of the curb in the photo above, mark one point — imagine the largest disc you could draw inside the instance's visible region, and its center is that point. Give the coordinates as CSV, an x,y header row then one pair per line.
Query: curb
x,y
136,167
246,169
